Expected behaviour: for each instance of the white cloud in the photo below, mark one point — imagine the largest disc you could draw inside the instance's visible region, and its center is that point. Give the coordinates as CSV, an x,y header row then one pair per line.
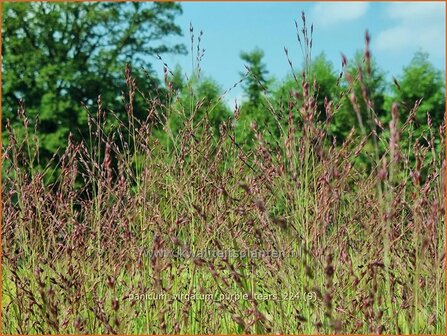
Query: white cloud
x,y
326,14
414,26
415,11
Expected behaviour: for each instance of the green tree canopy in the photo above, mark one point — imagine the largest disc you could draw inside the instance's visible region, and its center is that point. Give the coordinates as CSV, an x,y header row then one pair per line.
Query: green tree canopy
x,y
326,79
369,90
58,56
198,98
421,80
255,110
256,82
322,71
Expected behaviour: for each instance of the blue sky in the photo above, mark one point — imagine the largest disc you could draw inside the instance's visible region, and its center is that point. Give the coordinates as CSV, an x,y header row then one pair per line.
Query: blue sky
x,y
398,30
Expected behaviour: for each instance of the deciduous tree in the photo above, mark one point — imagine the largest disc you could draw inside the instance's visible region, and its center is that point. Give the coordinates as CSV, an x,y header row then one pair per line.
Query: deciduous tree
x,y
58,56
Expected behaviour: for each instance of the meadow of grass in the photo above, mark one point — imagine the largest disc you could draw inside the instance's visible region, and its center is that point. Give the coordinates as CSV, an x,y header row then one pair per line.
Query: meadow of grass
x,y
305,238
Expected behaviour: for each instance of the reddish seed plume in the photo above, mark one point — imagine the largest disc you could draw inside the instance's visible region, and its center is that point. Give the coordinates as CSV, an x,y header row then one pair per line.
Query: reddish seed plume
x,y
344,60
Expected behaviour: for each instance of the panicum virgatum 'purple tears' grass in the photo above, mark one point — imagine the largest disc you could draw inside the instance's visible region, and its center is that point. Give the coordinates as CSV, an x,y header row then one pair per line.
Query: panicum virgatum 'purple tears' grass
x,y
115,243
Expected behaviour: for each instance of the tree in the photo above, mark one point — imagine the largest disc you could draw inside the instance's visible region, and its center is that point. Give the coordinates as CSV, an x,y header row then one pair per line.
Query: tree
x,y
322,71
364,86
58,56
420,80
256,82
255,85
176,79
197,99
288,94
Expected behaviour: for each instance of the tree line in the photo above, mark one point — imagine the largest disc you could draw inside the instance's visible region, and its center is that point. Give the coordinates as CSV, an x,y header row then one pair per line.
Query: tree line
x,y
59,58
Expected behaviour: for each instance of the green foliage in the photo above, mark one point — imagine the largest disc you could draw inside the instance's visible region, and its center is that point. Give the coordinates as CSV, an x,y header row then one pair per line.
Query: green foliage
x,y
256,81
327,88
326,79
369,90
420,80
177,79
60,56
197,98
256,87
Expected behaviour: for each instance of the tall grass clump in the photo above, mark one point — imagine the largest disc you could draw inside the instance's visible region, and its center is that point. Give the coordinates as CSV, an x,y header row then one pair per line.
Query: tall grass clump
x,y
319,241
